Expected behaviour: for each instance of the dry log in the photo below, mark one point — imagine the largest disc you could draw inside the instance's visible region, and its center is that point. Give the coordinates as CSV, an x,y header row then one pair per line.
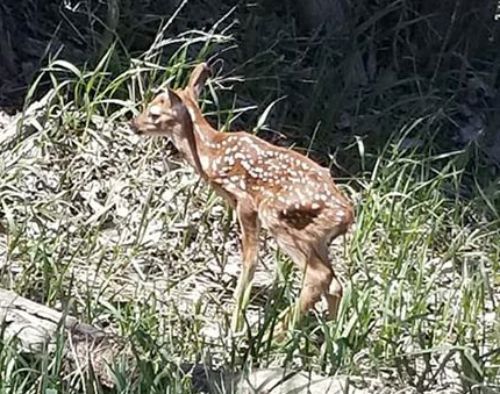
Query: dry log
x,y
36,328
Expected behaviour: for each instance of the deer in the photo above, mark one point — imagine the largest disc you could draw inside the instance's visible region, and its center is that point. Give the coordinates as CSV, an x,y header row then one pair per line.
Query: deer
x,y
271,187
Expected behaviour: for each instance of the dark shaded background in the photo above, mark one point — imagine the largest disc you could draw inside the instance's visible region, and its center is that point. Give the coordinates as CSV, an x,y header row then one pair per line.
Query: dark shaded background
x,y
347,68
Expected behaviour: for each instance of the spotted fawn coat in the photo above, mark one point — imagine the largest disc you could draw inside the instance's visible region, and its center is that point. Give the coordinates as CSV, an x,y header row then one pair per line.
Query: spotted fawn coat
x,y
290,195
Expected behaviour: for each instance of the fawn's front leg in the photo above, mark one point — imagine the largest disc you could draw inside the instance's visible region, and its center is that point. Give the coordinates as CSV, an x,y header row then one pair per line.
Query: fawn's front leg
x,y
250,227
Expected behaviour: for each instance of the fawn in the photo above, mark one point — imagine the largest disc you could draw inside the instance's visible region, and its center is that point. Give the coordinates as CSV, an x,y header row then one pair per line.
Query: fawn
x,y
288,194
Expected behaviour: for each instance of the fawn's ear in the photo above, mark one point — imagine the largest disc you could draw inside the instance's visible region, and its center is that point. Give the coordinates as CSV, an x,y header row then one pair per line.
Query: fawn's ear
x,y
177,106
181,111
198,78
175,101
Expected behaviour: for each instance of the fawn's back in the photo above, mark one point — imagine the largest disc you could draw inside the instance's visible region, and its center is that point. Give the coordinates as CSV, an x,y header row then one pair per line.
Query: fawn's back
x,y
251,169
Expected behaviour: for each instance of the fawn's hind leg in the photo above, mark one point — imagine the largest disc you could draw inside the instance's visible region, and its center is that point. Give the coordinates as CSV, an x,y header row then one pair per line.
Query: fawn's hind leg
x,y
319,278
250,227
304,235
334,292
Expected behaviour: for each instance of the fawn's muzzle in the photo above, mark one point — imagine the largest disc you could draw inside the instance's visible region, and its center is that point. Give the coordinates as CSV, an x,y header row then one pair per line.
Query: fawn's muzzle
x,y
134,126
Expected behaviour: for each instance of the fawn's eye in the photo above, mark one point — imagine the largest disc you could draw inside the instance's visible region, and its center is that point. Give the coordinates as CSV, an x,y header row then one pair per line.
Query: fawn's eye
x,y
154,117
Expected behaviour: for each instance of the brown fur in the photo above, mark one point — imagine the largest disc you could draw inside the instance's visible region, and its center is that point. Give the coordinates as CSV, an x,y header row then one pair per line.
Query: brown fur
x,y
290,195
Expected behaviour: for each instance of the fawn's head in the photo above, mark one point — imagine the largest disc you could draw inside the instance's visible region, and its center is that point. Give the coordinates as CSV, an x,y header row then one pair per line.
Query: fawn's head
x,y
167,114
164,116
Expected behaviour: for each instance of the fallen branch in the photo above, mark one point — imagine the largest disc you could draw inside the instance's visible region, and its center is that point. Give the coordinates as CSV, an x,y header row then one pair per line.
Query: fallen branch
x,y
36,327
